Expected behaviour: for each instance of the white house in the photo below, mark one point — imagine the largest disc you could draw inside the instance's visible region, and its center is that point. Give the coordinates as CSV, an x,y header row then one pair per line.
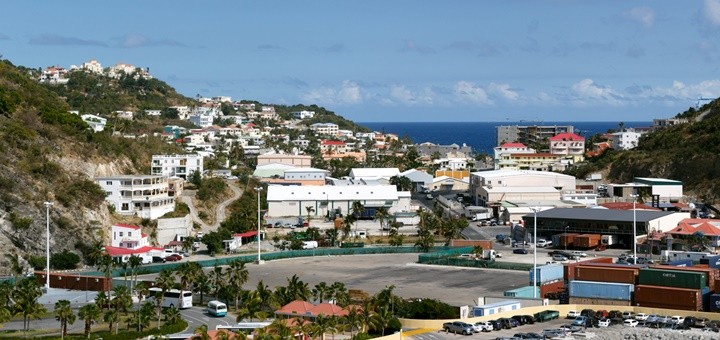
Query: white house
x,y
285,201
201,120
303,114
374,173
176,165
92,66
144,196
483,182
153,113
625,140
306,174
127,240
325,129
96,123
451,163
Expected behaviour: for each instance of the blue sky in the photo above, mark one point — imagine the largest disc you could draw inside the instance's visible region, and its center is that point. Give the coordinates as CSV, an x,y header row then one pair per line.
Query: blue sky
x,y
397,60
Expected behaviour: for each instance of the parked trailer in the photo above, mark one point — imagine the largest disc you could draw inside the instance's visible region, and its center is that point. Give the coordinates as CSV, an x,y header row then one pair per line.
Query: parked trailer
x,y
668,297
672,255
587,240
601,290
523,292
599,302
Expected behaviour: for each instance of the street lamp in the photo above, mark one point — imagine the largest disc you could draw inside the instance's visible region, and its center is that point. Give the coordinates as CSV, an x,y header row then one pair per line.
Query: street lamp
x,y
535,274
566,237
634,226
47,244
258,189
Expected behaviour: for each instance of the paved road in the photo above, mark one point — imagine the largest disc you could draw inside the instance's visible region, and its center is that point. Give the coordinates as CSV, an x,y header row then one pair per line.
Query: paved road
x,y
187,196
534,328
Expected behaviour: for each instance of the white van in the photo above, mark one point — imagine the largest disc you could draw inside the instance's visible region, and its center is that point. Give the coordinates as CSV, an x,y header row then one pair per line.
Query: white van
x,y
216,308
309,245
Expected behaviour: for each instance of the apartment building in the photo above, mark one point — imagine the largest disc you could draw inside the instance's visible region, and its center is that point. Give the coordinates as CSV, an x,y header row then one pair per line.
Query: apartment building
x,y
529,134
141,195
176,165
325,129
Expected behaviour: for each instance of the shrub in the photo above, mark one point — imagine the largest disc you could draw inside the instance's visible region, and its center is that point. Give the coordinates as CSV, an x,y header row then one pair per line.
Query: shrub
x,y
64,260
37,262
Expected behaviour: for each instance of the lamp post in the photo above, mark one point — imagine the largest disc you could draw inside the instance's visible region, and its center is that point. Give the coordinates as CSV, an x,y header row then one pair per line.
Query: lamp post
x,y
535,274
566,237
634,227
258,189
47,244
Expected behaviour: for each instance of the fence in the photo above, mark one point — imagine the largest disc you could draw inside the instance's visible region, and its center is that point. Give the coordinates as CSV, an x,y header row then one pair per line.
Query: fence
x,y
156,268
449,258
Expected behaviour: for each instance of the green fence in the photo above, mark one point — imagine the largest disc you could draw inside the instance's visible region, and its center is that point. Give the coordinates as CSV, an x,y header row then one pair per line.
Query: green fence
x,y
449,258
156,268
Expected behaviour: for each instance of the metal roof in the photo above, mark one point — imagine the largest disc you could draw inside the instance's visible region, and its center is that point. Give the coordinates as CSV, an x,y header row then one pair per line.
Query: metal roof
x,y
602,214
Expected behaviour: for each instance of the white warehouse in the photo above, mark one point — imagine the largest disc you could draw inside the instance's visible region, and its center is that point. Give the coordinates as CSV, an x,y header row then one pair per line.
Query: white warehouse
x,y
286,201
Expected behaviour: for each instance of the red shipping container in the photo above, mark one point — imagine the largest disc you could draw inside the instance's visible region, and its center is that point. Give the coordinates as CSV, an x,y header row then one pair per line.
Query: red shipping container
x,y
668,297
551,287
569,268
567,239
606,274
717,285
587,240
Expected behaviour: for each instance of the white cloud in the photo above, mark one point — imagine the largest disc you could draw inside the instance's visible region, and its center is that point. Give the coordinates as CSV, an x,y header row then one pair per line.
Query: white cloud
x,y
347,93
468,92
587,90
401,94
504,91
712,12
643,15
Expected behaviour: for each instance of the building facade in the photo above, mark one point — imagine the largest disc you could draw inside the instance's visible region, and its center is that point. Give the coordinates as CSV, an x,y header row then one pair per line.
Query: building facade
x,y
529,134
325,129
144,196
569,145
181,166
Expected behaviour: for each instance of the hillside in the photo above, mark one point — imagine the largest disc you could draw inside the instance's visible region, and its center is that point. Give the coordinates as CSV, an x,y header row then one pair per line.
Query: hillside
x,y
322,115
48,154
687,152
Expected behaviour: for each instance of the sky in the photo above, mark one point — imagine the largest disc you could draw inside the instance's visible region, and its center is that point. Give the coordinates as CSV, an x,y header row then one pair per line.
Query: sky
x,y
399,60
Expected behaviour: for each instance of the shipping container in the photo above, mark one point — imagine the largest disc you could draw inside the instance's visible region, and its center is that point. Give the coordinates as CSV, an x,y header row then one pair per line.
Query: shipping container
x,y
606,274
546,273
680,263
710,274
569,268
672,278
566,239
706,294
587,240
668,297
717,285
713,303
485,244
601,290
523,292
713,261
551,287
599,302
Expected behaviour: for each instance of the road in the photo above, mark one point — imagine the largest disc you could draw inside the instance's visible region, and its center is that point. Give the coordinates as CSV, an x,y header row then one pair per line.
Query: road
x,y
187,196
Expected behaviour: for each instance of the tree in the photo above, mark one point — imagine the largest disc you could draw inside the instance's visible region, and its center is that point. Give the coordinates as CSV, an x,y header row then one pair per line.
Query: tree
x,y
25,296
320,292
172,315
64,314
382,318
112,317
134,262
401,182
106,265
165,281
309,210
426,228
238,277
89,313
202,285
102,299
16,268
347,224
382,215
122,299
396,239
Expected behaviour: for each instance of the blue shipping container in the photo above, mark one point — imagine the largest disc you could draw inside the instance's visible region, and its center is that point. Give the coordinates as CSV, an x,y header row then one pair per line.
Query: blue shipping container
x,y
601,290
714,303
706,294
713,261
681,263
547,273
522,292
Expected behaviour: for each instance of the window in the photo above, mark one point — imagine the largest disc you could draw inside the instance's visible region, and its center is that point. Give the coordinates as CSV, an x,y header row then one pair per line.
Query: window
x,y
129,233
121,234
108,183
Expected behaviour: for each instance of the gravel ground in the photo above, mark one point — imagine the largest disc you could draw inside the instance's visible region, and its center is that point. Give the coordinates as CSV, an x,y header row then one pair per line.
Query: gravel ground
x,y
621,332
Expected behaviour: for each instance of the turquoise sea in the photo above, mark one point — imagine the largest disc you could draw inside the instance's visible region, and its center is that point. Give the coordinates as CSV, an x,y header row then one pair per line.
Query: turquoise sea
x,y
480,135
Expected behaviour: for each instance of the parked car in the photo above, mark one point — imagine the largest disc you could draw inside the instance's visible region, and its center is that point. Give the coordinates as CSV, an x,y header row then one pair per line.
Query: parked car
x,y
520,251
484,326
505,323
580,321
601,314
630,323
641,317
700,323
614,314
676,319
543,243
513,322
520,319
158,259
496,325
652,318
604,323
578,253
458,327
173,258
560,258
573,314
587,312
662,319
628,315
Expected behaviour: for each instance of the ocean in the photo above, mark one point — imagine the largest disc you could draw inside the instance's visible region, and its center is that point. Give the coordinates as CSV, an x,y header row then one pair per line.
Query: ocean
x,y
481,136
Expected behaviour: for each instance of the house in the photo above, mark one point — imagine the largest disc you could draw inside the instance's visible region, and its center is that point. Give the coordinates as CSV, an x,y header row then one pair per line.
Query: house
x,y
664,190
173,229
420,179
508,148
96,123
569,145
529,134
689,228
332,146
295,160
240,239
451,163
308,311
181,166
445,183
429,149
92,66
329,129
54,75
144,196
374,173
127,240
303,114
153,113
530,161
625,140
128,115
482,181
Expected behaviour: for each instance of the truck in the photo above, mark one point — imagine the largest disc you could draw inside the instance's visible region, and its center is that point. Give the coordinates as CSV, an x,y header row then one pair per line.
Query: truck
x,y
490,254
594,177
608,240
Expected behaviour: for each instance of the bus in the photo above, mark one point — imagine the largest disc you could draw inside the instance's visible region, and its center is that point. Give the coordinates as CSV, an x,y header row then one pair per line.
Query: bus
x,y
216,308
180,299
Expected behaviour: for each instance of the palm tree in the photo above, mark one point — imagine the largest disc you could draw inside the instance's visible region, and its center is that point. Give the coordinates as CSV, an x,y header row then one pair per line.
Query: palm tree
x,y
382,318
267,298
187,272
366,315
238,276
112,317
347,224
122,299
340,294
25,296
352,321
382,215
6,290
322,325
321,291
217,280
165,282
201,333
134,262
94,253
64,314
309,210
280,329
300,328
172,315
102,299
357,209
106,265
297,289
202,285
89,313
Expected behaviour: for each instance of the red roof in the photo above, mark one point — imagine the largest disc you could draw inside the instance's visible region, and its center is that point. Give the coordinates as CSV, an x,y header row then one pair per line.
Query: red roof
x,y
296,307
626,206
333,142
116,251
133,227
246,234
567,136
328,309
685,228
513,145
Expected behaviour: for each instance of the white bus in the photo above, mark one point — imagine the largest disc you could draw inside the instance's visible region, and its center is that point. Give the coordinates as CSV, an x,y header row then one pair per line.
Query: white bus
x,y
216,308
179,299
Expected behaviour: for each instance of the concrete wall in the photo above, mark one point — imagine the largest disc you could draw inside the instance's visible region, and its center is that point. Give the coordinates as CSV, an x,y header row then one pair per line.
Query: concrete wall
x,y
168,228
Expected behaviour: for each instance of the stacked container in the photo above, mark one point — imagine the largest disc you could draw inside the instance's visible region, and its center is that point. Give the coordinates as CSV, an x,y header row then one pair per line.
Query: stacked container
x,y
673,278
522,292
710,273
606,274
549,278
669,297
569,270
587,240
601,293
